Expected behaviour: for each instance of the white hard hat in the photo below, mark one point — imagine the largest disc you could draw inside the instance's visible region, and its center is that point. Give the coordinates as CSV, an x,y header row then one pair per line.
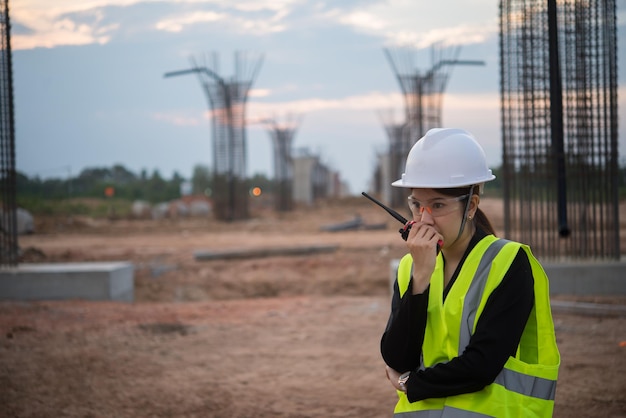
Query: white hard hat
x,y
445,158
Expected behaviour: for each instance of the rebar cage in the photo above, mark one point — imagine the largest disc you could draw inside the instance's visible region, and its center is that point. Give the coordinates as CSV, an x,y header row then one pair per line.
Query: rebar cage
x,y
8,220
282,139
423,93
227,100
545,185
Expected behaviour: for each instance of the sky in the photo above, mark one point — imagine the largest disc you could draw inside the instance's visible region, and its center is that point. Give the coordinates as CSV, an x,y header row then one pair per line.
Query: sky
x,y
90,90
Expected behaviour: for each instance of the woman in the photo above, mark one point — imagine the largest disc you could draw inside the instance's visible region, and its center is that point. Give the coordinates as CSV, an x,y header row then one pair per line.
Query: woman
x,y
470,331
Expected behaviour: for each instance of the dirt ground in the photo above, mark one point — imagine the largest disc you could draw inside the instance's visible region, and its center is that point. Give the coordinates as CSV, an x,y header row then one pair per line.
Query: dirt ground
x,y
280,336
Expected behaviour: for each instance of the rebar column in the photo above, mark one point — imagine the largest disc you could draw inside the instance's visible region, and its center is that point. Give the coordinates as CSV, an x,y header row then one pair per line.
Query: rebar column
x,y
549,184
423,93
282,138
398,149
227,101
8,216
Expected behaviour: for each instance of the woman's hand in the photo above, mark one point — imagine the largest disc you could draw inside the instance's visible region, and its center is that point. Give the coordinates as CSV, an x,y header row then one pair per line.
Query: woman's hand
x,y
393,376
422,243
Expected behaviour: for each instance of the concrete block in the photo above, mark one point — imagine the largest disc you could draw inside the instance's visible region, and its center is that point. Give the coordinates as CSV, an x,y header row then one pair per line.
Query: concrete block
x,y
602,278
593,278
247,253
91,281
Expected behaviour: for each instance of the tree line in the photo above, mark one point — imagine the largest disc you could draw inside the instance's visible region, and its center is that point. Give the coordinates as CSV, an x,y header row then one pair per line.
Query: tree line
x,y
121,183
153,187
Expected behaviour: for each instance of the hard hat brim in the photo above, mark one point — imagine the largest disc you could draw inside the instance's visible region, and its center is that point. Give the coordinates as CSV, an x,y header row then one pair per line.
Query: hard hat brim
x,y
440,185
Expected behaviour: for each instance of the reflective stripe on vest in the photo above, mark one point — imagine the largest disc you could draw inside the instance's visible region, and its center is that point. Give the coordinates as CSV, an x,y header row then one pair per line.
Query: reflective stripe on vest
x,y
475,292
447,412
522,383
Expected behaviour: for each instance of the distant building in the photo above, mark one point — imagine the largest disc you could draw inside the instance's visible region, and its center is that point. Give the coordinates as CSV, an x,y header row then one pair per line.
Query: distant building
x,y
186,188
384,179
314,180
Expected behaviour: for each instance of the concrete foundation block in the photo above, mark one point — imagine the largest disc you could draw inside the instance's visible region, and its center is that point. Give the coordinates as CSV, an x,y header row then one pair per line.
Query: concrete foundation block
x,y
587,278
90,281
594,278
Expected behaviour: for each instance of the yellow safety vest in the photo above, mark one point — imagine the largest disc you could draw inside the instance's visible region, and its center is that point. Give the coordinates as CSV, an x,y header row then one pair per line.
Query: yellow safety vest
x,y
527,384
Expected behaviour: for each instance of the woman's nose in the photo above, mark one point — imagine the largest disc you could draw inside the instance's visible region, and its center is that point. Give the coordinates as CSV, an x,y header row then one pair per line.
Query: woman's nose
x,y
427,217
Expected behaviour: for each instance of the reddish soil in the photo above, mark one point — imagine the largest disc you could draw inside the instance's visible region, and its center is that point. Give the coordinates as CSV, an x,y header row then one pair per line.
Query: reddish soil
x,y
280,336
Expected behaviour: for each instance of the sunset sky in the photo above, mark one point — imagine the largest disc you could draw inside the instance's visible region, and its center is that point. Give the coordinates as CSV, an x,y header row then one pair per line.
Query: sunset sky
x,y
90,89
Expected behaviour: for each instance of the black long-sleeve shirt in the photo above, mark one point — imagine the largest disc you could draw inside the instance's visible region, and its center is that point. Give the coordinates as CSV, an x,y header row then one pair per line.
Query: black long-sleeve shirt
x,y
497,334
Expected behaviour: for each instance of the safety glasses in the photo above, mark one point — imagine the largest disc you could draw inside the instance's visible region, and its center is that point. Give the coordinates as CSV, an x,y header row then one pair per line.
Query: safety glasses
x,y
439,206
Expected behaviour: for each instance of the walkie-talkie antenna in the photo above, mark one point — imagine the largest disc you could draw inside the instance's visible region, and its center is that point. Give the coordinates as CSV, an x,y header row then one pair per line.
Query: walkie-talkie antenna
x,y
404,232
390,211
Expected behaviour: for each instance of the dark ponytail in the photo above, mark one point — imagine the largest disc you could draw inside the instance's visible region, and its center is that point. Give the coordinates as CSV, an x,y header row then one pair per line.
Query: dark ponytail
x,y
482,222
480,219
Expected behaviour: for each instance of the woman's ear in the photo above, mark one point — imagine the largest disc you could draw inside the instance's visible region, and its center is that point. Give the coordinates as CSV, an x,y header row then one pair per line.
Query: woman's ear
x,y
475,200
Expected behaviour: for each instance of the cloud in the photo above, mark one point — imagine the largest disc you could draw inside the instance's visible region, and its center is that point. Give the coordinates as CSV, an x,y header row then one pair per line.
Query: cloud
x,y
370,101
259,93
244,17
457,35
373,101
50,23
482,101
258,5
402,23
178,120
258,111
178,23
363,20
47,23
45,26
397,22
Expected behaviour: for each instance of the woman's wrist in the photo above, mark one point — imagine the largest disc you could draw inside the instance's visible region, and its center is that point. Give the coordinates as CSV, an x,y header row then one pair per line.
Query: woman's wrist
x,y
402,380
419,285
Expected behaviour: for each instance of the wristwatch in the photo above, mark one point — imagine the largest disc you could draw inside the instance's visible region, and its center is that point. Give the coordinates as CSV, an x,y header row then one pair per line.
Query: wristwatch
x,y
402,381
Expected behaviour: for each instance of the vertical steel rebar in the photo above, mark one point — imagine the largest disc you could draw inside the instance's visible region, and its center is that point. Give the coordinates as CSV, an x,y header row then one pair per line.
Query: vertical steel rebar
x,y
282,139
423,95
8,192
227,101
559,154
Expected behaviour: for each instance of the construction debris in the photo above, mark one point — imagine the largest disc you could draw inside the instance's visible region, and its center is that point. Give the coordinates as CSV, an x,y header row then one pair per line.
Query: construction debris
x,y
353,224
262,252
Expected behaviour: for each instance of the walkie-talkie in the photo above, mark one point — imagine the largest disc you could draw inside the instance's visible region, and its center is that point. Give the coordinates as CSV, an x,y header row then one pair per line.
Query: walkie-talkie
x,y
404,231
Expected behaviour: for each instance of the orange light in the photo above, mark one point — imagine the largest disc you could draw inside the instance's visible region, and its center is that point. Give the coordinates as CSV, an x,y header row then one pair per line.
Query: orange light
x,y
256,191
109,191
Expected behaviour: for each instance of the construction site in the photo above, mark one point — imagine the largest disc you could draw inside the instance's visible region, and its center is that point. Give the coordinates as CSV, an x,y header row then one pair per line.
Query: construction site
x,y
288,335
275,308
